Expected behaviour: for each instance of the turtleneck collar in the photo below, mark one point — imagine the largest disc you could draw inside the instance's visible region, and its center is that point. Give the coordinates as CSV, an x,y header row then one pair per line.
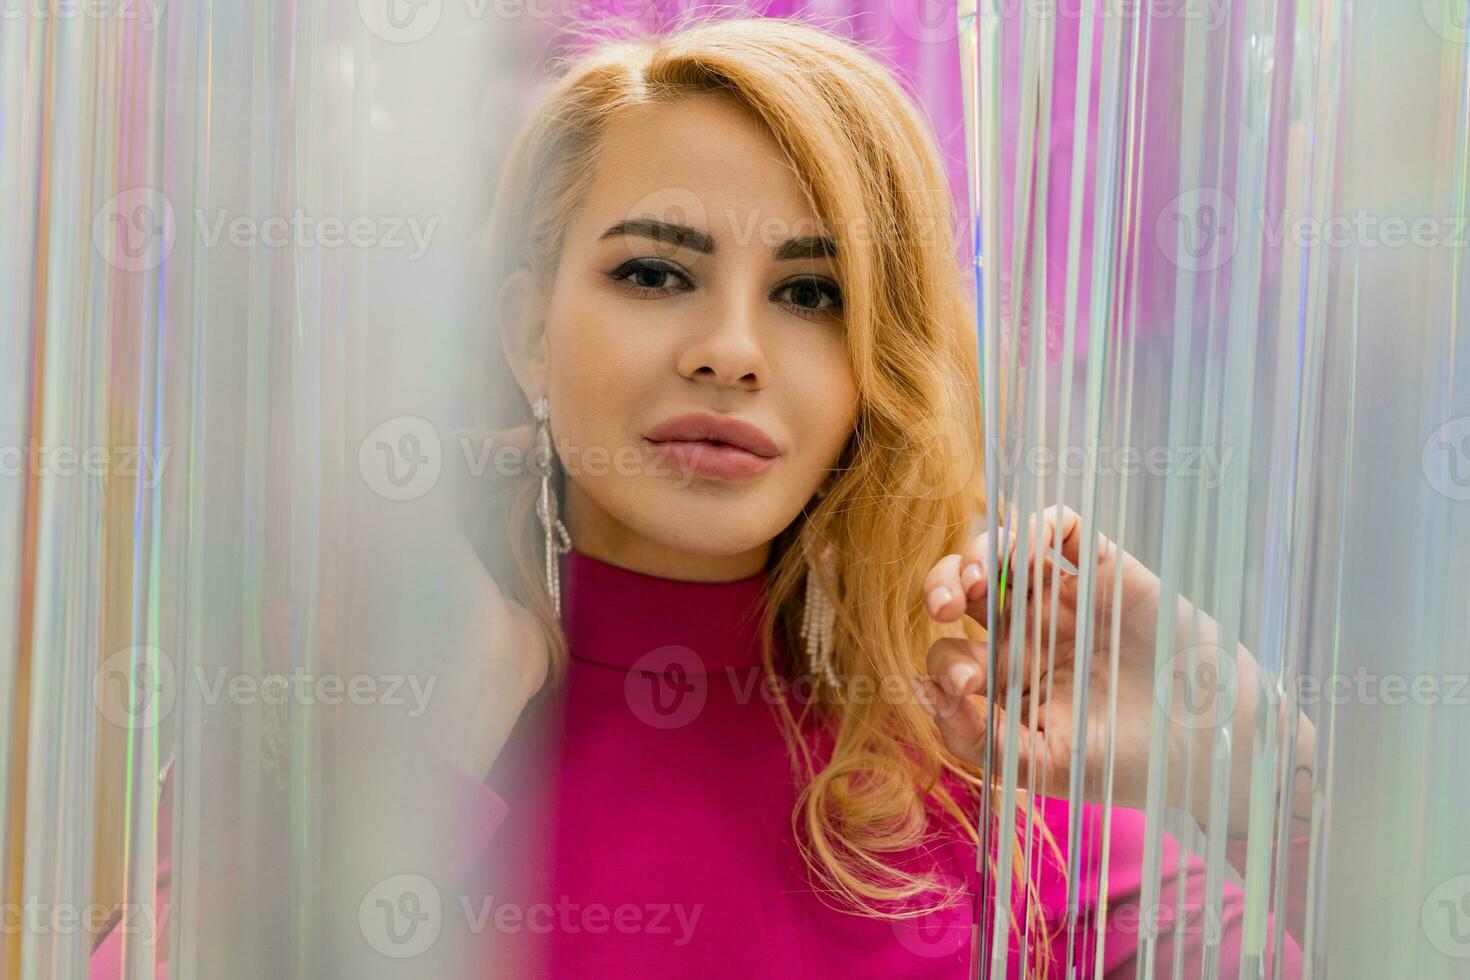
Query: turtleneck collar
x,y
617,617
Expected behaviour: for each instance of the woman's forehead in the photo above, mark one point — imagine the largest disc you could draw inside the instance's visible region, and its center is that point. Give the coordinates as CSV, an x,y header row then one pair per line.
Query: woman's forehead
x,y
703,163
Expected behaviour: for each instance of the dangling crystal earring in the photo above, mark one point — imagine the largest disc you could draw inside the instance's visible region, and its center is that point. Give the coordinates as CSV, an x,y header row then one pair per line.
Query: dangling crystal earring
x,y
819,616
558,542
818,619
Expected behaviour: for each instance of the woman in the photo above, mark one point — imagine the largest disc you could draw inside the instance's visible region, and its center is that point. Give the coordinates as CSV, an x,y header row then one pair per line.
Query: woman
x,y
730,300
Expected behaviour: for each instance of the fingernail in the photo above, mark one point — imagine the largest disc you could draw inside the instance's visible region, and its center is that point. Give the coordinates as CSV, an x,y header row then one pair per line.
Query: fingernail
x,y
961,674
971,574
938,597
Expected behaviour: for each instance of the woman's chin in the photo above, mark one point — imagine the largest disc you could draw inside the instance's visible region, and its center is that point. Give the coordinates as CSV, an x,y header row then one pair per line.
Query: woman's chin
x,y
703,528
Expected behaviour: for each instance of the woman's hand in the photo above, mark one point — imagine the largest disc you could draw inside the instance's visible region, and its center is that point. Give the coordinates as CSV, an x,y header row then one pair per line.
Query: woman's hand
x,y
957,691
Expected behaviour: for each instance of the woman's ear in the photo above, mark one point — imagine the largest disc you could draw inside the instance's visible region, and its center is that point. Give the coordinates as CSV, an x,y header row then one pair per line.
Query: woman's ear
x,y
523,332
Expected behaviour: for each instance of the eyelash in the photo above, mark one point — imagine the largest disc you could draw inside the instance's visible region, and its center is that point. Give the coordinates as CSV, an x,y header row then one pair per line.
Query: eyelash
x,y
623,273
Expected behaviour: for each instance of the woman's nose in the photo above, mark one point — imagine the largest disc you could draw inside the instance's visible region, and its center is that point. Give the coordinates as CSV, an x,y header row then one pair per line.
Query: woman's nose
x,y
728,348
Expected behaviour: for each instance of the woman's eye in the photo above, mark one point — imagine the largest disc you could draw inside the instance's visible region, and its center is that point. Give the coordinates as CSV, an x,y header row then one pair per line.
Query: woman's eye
x,y
808,296
648,278
811,296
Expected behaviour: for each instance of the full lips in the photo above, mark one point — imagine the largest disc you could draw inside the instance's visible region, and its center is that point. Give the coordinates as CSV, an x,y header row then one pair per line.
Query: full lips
x,y
716,460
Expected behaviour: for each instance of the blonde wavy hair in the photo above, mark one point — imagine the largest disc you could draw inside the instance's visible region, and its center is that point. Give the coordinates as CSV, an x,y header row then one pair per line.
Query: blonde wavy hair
x,y
906,488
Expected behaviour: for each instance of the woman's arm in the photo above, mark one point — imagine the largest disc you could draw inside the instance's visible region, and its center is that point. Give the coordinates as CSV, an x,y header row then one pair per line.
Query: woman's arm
x,y
1181,919
1128,697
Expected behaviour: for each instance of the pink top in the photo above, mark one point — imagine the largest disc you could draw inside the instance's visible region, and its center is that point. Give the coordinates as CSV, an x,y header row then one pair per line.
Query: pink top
x,y
649,832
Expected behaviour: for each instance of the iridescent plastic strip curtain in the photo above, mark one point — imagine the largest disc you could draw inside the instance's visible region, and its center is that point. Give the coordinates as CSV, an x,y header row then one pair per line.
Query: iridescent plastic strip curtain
x,y
234,239
1221,249
240,266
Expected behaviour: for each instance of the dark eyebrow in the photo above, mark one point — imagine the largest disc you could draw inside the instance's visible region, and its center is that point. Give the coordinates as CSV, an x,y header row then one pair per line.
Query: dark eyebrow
x,y
807,247
682,236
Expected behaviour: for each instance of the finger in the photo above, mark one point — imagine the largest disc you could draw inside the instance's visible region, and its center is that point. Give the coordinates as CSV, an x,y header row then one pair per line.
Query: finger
x,y
976,562
1057,523
956,667
963,728
1062,536
1038,563
1065,537
943,595
1040,556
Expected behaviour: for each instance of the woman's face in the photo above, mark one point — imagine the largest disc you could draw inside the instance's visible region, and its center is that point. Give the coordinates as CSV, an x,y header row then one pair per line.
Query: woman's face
x,y
693,280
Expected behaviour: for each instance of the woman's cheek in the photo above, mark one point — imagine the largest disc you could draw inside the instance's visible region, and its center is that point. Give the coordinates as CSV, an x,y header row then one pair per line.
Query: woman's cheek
x,y
835,401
